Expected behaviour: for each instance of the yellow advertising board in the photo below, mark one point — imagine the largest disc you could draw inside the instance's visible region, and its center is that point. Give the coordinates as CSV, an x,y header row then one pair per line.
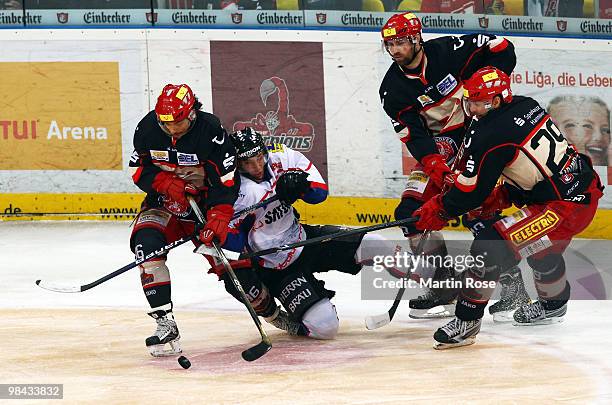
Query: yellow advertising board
x,y
353,211
60,116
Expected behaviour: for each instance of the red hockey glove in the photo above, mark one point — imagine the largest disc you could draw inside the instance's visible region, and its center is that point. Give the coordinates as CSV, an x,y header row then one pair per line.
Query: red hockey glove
x,y
219,269
174,187
432,215
436,168
498,200
217,220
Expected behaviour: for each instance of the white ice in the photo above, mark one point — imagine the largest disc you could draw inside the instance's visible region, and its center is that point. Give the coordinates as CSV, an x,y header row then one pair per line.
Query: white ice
x,y
80,252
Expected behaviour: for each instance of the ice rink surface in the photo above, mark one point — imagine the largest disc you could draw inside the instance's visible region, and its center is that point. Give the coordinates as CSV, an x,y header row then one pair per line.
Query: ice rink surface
x,y
93,342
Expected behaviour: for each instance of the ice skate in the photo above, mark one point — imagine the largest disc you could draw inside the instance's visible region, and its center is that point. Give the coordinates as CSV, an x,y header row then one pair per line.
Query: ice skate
x,y
280,319
456,333
435,302
166,333
535,314
513,295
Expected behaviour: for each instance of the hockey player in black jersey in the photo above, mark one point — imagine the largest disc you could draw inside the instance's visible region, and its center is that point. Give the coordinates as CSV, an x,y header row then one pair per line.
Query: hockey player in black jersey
x,y
421,93
554,186
178,150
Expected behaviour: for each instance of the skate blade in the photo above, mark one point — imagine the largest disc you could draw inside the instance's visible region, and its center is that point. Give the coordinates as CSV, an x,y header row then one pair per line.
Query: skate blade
x,y
161,351
444,346
545,321
440,311
504,316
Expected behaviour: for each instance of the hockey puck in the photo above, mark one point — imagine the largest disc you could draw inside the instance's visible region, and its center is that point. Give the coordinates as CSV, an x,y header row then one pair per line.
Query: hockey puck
x,y
184,362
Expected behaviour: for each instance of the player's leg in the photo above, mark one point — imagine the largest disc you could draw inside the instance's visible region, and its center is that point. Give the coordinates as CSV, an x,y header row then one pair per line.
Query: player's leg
x,y
513,294
153,229
347,254
306,300
543,244
491,255
258,295
425,305
553,292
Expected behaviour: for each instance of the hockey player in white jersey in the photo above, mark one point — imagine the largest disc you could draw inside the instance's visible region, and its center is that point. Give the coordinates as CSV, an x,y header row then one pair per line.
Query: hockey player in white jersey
x,y
288,276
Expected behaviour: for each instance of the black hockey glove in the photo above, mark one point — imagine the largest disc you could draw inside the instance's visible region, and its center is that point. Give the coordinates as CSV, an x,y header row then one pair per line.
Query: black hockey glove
x,y
292,185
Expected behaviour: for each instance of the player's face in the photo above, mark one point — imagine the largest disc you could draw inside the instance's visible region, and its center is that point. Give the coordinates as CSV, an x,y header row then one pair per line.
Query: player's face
x,y
177,128
254,166
402,50
476,108
587,126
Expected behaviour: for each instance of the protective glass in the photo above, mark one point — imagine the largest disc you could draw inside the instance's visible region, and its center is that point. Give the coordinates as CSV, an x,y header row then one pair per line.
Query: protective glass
x,y
398,42
480,107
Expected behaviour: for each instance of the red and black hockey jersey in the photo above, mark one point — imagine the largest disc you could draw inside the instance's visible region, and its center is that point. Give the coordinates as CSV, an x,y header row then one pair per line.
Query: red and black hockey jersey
x,y
204,157
427,103
520,143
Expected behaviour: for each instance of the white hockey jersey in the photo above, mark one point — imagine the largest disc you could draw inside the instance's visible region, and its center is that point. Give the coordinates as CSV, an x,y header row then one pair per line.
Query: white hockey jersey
x,y
275,224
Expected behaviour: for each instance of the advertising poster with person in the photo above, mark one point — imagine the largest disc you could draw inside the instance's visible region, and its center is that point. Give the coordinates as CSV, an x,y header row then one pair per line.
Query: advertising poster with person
x,y
576,90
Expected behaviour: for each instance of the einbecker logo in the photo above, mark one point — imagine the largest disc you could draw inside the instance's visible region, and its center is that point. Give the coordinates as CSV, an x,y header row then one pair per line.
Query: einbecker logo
x,y
152,17
321,18
236,18
561,25
483,22
62,18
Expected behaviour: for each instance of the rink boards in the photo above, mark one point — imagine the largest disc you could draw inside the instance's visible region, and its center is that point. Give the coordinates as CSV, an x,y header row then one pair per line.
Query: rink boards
x,y
352,211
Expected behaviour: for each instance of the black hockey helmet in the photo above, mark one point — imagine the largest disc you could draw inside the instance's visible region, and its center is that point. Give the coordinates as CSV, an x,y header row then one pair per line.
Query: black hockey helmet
x,y
248,143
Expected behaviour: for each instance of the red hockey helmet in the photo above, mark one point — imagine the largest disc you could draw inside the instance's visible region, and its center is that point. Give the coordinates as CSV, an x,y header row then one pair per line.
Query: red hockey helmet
x,y
486,83
175,103
401,26
483,86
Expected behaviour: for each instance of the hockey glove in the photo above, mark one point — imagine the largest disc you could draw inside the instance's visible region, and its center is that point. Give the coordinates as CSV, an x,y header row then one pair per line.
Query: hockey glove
x,y
174,187
217,221
291,185
436,168
498,200
432,215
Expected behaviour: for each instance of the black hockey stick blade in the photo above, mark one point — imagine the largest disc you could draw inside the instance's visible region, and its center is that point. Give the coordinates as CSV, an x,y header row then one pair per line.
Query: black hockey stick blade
x,y
256,351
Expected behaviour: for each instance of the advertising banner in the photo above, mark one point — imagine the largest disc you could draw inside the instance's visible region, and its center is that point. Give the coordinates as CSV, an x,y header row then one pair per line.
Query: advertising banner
x,y
60,116
88,17
240,18
275,87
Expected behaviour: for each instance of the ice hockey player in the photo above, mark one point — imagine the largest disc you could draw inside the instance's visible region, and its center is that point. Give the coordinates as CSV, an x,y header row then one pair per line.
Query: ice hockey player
x,y
179,150
421,93
555,187
288,276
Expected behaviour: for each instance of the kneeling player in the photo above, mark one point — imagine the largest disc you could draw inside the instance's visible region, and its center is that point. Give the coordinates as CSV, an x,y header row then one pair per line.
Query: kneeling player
x,y
287,275
556,187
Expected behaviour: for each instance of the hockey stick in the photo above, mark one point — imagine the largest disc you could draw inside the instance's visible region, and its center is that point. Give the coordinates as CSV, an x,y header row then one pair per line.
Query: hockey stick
x,y
265,345
67,214
120,214
255,206
318,239
157,253
378,321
